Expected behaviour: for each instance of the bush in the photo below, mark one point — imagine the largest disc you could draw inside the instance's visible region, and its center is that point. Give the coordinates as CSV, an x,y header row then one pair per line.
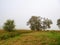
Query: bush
x,y
8,35
4,36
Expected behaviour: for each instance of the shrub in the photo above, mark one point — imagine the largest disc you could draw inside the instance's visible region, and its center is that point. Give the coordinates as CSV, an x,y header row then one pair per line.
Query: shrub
x,y
4,36
8,35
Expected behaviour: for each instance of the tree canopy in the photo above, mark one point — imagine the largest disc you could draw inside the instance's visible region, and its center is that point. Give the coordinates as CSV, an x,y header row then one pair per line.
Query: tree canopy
x,y
58,23
36,23
9,25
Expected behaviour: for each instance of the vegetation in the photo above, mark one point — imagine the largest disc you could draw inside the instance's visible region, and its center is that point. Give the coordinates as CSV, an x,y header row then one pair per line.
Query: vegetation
x,y
58,23
29,37
36,23
6,35
46,23
33,38
9,25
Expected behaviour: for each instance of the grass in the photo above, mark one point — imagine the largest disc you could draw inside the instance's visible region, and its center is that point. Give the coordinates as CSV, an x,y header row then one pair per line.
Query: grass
x,y
27,37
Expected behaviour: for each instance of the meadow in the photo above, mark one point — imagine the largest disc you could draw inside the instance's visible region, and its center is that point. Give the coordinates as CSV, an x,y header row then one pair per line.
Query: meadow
x,y
28,37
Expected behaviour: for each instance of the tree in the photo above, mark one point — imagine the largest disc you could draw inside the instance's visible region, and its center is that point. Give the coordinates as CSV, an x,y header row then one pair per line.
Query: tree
x,y
58,23
46,23
9,25
34,23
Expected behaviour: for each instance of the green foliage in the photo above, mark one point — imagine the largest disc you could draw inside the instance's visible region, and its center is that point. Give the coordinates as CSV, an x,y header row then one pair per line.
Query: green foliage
x,y
36,23
46,23
58,23
32,27
7,35
3,37
31,38
9,25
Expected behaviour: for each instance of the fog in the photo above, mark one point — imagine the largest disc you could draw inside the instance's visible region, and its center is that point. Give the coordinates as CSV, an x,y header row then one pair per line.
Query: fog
x,y
21,10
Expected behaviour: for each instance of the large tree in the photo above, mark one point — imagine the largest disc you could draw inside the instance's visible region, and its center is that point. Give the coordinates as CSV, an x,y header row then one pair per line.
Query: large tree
x,y
35,22
9,25
58,23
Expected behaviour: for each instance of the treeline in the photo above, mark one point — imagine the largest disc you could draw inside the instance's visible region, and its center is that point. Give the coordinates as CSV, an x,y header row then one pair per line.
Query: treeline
x,y
35,23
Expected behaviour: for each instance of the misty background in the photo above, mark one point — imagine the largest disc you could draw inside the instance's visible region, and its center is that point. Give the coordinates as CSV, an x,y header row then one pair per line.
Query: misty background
x,y
21,11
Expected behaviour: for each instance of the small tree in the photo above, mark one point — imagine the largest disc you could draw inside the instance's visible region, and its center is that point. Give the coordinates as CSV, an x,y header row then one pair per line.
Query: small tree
x,y
9,25
58,23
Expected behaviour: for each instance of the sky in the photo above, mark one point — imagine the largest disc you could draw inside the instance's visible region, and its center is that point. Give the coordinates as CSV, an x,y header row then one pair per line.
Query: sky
x,y
21,10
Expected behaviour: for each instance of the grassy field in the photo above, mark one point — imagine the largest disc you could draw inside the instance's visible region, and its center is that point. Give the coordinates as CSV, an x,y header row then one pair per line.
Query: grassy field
x,y
27,37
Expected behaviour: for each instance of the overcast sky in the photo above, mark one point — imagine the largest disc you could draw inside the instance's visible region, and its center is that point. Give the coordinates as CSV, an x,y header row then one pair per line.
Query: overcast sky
x,y
22,10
